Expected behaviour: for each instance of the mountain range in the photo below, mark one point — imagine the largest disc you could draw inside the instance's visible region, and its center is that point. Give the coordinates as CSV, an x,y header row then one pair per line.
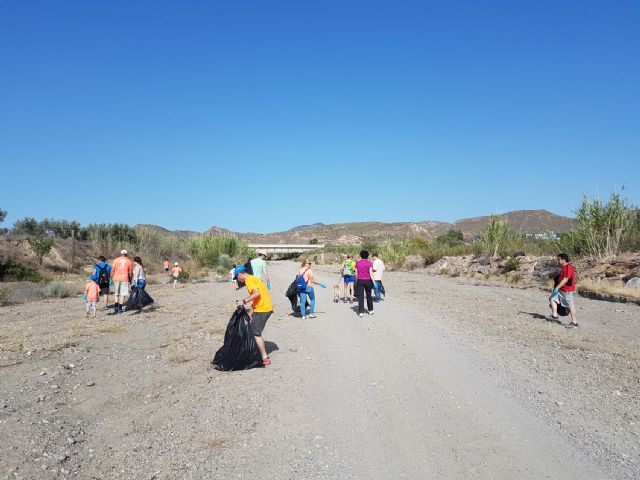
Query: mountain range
x,y
525,221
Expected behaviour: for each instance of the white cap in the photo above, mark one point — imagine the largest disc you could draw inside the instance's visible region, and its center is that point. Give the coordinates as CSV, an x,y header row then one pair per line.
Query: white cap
x,y
176,264
262,252
123,252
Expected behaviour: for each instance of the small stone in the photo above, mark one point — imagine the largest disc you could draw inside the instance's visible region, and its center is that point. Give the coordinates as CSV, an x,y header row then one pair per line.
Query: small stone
x,y
90,384
71,441
43,373
560,404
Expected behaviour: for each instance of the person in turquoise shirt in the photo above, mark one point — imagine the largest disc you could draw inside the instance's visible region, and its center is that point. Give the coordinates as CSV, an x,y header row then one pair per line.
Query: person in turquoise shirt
x,y
259,267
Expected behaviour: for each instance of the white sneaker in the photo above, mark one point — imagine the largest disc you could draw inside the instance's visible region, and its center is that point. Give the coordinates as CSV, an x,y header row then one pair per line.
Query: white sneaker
x,y
361,315
371,312
304,317
313,315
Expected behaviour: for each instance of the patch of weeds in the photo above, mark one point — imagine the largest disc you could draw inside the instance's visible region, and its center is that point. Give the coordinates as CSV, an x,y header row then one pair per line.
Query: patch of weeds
x,y
12,271
487,275
57,290
444,271
515,278
5,296
113,327
512,264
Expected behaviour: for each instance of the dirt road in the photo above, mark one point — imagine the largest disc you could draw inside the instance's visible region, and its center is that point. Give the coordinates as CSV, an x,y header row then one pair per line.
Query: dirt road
x,y
446,380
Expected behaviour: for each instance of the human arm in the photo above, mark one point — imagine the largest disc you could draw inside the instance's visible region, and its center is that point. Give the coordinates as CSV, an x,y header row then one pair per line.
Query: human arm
x,y
253,294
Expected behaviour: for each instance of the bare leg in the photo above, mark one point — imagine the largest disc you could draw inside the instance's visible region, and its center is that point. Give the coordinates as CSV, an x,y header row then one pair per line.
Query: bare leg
x,y
572,312
261,346
554,308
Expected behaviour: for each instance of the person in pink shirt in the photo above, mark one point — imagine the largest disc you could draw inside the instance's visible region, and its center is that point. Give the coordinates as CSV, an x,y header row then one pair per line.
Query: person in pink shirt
x,y
364,283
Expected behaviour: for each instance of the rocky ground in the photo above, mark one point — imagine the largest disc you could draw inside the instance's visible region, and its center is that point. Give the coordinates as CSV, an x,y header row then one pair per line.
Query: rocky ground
x,y
448,380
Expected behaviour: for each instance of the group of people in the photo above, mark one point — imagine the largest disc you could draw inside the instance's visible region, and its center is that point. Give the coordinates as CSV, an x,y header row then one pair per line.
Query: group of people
x,y
123,274
176,271
363,278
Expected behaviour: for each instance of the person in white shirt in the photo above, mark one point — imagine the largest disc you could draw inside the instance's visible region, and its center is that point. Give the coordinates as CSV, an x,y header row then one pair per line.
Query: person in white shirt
x,y
259,267
378,269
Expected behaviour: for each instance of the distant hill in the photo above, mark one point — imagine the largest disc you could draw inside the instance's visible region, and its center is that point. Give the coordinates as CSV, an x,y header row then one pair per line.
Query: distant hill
x,y
305,227
164,231
525,221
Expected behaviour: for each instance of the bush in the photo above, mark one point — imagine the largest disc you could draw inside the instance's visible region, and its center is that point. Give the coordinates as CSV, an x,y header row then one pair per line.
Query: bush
x,y
496,234
451,238
206,251
57,290
511,265
225,261
12,271
5,296
602,226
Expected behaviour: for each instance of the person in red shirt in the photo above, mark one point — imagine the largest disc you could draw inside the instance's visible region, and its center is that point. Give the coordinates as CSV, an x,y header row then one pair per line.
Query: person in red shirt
x,y
563,291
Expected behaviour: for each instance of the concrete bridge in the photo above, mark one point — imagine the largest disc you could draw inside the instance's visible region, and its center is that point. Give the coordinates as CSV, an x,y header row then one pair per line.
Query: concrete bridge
x,y
285,248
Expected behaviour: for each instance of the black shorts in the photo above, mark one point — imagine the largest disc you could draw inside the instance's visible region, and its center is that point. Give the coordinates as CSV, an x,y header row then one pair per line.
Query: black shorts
x,y
104,289
258,321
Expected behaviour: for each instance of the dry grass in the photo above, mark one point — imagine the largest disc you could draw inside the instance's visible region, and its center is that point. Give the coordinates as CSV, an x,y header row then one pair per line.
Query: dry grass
x,y
113,327
597,286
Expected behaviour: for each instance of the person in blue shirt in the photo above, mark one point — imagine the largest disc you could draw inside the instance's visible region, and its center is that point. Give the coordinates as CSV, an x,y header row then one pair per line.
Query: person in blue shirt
x,y
103,275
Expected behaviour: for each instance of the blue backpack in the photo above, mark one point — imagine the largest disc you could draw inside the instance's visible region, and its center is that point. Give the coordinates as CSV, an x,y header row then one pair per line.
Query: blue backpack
x,y
301,283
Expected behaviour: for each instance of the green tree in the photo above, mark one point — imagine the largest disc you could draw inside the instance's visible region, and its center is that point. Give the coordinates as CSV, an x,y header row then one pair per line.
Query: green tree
x,y
28,226
3,215
451,238
41,246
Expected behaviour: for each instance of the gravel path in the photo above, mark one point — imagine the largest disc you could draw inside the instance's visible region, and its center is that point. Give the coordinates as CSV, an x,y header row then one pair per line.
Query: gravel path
x,y
447,380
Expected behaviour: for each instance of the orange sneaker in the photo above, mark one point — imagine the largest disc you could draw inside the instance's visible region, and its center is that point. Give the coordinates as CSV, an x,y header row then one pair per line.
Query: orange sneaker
x,y
266,361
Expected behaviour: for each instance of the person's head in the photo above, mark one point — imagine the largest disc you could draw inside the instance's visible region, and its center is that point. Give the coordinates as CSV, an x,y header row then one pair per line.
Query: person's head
x,y
166,259
364,254
233,266
374,255
175,264
124,253
563,259
306,263
94,278
102,258
138,260
262,255
241,273
348,257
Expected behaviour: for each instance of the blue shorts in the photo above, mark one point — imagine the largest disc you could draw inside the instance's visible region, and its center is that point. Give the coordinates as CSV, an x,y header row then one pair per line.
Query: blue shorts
x,y
349,278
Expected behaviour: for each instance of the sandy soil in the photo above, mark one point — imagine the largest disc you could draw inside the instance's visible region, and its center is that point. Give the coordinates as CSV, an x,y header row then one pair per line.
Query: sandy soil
x,y
447,380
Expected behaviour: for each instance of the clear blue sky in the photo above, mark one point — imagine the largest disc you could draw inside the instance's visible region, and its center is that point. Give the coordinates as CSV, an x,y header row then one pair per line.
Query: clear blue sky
x,y
262,115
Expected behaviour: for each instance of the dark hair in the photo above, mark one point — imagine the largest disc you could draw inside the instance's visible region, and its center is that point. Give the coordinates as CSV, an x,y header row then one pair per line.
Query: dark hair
x,y
102,258
374,255
563,256
138,260
364,254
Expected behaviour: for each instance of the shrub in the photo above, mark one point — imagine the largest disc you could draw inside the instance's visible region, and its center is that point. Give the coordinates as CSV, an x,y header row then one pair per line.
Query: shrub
x,y
451,238
57,290
12,271
206,251
184,275
602,226
5,296
515,278
3,215
496,234
225,261
394,253
512,264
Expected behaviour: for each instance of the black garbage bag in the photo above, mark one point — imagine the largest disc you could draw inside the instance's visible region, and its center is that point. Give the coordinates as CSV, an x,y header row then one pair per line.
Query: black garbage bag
x,y
563,311
294,297
138,299
239,351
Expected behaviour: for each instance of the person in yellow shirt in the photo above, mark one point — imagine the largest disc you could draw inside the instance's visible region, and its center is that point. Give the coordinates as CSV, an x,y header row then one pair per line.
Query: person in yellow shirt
x,y
260,309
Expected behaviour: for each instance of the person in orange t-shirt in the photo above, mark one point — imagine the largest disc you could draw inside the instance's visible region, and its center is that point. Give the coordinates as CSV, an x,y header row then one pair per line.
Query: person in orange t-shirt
x,y
165,265
121,272
175,273
91,296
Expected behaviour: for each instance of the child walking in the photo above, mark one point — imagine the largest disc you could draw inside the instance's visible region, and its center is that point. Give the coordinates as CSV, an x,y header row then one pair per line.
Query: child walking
x,y
91,296
175,273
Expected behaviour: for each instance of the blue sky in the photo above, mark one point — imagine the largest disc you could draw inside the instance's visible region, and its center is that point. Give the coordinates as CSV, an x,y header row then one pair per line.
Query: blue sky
x,y
262,115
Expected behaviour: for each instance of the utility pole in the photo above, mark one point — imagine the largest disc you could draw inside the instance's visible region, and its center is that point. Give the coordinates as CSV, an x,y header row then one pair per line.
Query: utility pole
x,y
73,249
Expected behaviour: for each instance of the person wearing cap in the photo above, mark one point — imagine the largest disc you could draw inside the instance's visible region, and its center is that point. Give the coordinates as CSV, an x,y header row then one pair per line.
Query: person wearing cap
x,y
259,267
260,307
175,273
121,272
